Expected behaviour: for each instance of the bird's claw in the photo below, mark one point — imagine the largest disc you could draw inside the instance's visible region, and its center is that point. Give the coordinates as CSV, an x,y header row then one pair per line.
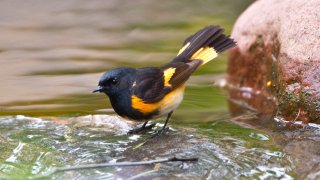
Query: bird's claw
x,y
141,129
160,132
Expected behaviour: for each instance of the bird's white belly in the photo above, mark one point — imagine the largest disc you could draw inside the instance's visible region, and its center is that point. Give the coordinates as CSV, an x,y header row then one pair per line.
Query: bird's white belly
x,y
171,101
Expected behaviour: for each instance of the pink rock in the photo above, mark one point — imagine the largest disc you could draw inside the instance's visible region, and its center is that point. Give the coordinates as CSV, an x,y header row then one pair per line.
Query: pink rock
x,y
278,55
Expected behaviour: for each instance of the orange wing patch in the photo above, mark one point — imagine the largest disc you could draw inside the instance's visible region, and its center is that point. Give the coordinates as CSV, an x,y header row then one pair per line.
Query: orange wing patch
x,y
205,54
167,74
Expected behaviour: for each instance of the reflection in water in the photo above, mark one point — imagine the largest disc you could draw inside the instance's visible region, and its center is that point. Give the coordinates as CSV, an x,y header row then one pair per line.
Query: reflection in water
x,y
16,152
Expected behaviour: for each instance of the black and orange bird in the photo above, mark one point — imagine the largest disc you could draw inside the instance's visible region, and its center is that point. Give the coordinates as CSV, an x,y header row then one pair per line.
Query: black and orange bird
x,y
145,93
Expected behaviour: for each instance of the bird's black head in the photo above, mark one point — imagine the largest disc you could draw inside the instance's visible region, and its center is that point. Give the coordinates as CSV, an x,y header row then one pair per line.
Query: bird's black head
x,y
115,81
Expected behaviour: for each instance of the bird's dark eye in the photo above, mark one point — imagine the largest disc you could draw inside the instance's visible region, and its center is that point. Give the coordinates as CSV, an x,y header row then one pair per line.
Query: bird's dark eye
x,y
113,81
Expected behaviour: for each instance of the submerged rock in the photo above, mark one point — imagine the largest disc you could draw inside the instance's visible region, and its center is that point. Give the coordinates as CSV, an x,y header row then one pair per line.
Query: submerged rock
x,y
278,59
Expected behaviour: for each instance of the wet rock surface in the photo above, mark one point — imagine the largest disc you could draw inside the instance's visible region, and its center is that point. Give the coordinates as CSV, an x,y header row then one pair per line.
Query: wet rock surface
x,y
278,57
224,149
303,147
298,141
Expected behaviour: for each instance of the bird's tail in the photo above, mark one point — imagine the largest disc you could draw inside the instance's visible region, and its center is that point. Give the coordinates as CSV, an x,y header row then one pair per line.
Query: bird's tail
x,y
204,45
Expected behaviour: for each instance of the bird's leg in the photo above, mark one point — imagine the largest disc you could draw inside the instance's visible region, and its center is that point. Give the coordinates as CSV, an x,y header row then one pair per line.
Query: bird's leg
x,y
167,120
164,128
142,128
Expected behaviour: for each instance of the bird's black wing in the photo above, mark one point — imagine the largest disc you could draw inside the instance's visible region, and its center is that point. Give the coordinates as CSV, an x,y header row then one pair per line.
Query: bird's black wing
x,y
152,84
149,85
182,72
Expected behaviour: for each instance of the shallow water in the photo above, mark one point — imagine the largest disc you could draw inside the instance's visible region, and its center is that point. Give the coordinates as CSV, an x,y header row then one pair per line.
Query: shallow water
x,y
35,147
52,55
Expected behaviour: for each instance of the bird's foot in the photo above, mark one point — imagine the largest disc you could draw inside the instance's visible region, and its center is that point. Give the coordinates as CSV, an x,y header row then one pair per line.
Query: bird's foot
x,y
160,132
141,129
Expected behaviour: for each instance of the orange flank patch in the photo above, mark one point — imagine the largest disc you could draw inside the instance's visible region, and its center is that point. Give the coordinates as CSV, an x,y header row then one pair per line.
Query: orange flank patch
x,y
168,103
167,74
205,54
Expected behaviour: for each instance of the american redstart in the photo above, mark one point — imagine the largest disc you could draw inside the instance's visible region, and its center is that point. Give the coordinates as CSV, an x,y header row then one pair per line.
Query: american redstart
x,y
146,93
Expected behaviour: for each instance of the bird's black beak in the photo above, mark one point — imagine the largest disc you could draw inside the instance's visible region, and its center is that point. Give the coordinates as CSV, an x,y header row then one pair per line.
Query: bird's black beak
x,y
98,89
